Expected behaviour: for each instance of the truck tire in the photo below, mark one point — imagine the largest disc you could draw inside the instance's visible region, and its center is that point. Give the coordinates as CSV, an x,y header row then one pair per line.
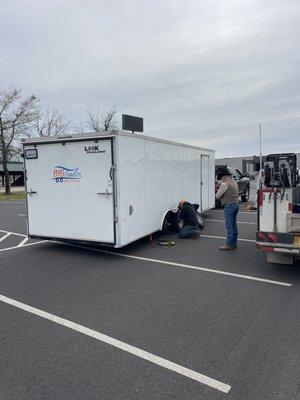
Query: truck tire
x,y
246,195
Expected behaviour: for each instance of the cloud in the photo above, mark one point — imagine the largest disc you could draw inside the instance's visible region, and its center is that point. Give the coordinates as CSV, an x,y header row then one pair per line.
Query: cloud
x,y
205,73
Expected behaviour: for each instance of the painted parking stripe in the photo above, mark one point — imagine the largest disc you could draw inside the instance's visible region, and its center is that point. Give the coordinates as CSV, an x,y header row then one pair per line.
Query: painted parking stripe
x,y
24,245
154,359
222,220
22,215
202,235
193,267
240,212
224,237
14,233
215,271
23,242
5,236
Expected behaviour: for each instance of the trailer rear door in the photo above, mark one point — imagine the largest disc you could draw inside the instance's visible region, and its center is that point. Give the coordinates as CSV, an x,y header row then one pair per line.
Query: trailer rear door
x,y
70,190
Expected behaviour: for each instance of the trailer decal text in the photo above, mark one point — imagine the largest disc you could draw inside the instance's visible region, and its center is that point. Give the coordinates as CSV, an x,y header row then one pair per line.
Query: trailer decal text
x,y
64,174
93,149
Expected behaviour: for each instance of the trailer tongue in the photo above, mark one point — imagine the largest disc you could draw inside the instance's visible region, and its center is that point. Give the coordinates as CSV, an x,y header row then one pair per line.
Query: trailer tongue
x,y
278,202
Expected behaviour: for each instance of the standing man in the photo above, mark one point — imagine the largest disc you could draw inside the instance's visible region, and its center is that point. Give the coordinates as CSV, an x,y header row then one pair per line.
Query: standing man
x,y
190,221
228,194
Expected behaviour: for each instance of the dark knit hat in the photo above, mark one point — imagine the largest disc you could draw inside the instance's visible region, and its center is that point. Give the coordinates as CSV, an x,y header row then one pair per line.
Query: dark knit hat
x,y
223,172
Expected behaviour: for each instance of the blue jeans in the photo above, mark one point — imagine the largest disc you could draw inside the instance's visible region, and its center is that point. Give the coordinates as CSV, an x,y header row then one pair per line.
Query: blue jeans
x,y
230,213
188,231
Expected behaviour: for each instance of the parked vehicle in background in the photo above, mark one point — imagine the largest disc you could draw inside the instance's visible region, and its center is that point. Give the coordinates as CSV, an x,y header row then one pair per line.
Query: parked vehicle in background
x,y
278,216
243,182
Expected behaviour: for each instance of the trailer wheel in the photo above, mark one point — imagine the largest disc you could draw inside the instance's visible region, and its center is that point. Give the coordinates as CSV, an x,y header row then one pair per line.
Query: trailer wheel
x,y
200,221
170,223
179,225
173,223
166,226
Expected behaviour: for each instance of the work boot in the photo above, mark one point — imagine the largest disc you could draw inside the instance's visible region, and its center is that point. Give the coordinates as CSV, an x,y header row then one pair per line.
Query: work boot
x,y
227,248
196,235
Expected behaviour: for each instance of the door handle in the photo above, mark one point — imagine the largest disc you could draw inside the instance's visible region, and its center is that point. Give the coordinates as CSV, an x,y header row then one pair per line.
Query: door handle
x,y
106,193
31,192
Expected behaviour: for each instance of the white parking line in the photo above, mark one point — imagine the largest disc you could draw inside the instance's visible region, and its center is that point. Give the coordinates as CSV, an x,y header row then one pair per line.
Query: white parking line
x,y
22,215
20,245
5,236
23,242
224,237
214,271
222,220
24,245
240,212
13,233
162,362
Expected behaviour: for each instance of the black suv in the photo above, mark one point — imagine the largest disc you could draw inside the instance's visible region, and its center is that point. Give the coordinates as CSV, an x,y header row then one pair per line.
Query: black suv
x,y
242,181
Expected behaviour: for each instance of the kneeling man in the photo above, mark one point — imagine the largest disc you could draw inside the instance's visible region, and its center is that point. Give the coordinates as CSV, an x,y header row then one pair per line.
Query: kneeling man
x,y
190,221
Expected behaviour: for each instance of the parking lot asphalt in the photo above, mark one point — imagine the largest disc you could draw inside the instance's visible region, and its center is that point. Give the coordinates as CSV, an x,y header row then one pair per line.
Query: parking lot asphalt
x,y
231,317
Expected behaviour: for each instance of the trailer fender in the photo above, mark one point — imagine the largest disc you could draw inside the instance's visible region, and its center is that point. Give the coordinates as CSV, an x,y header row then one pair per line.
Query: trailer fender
x,y
168,220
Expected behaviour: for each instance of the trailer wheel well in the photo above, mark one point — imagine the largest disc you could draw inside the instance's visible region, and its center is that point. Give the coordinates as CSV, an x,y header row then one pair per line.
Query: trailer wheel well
x,y
168,219
171,223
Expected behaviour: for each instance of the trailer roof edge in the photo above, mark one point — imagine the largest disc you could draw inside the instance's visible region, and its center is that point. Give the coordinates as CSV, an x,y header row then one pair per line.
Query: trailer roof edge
x,y
101,135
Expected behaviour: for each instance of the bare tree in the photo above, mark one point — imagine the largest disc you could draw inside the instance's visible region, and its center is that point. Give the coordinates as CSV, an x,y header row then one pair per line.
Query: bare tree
x,y
50,124
80,128
102,120
16,118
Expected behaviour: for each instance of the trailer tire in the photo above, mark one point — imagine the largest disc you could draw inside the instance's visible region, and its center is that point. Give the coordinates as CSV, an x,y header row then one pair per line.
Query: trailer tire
x,y
165,226
200,221
170,223
179,224
173,223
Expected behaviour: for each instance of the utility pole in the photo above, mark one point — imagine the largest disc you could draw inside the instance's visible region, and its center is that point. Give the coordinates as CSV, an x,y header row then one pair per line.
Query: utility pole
x,y
260,150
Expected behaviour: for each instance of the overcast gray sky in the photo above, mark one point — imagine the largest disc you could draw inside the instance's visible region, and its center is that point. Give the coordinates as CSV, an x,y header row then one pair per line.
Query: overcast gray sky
x,y
202,72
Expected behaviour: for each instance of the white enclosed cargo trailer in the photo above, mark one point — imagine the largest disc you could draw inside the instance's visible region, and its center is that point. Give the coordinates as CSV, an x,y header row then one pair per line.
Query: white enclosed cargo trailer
x,y
111,189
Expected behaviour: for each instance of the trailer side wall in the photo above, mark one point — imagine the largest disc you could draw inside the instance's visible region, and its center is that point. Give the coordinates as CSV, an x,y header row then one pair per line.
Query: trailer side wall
x,y
151,179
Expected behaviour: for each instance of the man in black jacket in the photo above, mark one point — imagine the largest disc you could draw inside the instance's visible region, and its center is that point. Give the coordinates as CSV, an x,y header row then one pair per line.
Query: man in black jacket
x,y
190,221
